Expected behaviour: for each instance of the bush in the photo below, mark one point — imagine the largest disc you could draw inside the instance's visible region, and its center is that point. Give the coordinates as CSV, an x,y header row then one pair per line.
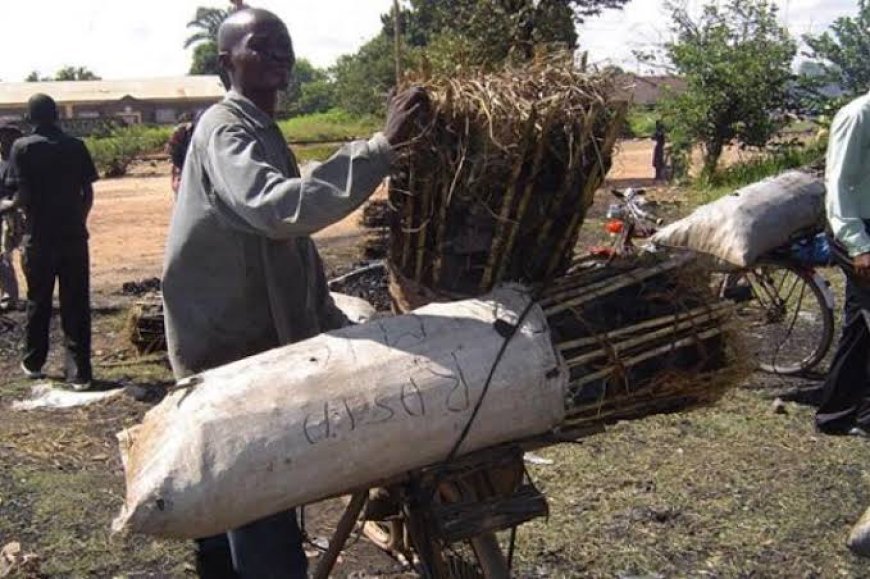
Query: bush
x,y
640,123
114,152
334,125
777,159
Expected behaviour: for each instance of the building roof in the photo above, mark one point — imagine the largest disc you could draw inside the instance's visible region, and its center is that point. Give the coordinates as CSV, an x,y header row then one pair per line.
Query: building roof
x,y
91,91
648,90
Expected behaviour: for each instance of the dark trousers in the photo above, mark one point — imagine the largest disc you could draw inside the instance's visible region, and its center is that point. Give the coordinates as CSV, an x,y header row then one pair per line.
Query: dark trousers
x,y
846,394
270,548
67,263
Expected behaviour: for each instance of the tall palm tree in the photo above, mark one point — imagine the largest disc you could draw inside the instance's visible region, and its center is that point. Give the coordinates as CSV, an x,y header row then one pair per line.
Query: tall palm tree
x,y
206,24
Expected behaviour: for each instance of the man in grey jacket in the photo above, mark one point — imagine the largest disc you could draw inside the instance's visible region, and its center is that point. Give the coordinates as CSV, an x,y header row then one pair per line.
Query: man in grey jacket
x,y
241,273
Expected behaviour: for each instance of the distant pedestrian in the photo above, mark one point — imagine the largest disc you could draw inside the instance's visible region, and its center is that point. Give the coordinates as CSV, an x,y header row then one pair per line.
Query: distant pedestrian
x,y
845,407
11,224
52,175
658,161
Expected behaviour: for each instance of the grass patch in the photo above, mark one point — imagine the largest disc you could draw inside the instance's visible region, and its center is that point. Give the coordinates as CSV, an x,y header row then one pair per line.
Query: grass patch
x,y
729,491
640,123
114,152
334,125
321,153
776,161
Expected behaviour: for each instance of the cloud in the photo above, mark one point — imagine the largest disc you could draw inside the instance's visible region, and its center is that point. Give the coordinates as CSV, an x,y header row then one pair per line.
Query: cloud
x,y
644,25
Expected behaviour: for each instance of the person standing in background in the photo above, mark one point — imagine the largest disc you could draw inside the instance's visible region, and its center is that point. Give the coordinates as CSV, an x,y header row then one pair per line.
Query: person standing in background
x,y
52,176
658,160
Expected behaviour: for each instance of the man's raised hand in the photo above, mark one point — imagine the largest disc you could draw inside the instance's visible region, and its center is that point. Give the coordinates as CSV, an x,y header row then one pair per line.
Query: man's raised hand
x,y
403,115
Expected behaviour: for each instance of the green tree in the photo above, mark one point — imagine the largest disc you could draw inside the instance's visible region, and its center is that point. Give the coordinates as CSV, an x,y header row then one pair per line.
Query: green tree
x,y
75,73
35,77
362,80
205,59
843,51
205,25
736,60
441,34
311,90
496,29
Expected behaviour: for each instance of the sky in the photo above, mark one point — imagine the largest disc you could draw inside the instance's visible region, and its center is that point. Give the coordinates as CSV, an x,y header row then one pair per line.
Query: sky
x,y
127,39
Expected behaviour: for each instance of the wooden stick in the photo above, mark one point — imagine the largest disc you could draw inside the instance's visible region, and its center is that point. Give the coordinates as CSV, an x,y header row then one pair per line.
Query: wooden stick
x,y
618,347
569,178
342,532
696,314
408,226
514,224
443,210
429,193
644,357
566,300
507,202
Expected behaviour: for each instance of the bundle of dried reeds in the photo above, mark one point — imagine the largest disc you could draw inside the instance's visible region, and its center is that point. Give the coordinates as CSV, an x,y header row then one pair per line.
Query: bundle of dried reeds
x,y
497,186
640,336
145,328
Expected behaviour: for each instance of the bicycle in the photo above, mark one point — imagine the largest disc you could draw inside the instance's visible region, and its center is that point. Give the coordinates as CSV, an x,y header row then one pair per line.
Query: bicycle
x,y
441,521
786,308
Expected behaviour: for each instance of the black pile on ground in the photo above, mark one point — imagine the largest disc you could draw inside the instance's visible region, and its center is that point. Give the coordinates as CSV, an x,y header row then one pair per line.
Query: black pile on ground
x,y
366,280
142,287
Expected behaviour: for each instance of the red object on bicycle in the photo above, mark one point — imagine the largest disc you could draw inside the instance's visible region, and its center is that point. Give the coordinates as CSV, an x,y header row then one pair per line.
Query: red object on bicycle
x,y
614,226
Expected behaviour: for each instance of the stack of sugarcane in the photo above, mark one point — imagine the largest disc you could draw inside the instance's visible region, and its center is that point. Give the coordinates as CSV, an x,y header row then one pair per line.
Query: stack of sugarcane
x,y
639,336
145,324
497,187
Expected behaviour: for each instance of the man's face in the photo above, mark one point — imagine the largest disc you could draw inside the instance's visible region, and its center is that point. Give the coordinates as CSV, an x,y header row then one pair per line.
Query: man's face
x,y
263,58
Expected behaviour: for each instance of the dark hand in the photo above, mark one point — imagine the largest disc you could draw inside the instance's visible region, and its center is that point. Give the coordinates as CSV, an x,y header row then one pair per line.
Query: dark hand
x,y
862,265
403,114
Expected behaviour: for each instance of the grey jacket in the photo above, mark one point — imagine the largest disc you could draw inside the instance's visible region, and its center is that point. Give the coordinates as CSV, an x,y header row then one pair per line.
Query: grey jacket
x,y
241,273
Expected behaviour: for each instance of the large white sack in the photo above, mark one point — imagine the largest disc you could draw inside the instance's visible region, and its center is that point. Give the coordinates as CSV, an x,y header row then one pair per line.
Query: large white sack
x,y
741,227
337,412
859,537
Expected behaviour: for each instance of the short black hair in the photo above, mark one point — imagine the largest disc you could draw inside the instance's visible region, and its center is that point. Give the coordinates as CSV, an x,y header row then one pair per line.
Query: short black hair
x,y
42,110
239,23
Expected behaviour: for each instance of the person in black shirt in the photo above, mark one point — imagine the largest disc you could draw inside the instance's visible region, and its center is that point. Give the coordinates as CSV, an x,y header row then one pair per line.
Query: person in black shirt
x,y
52,174
659,163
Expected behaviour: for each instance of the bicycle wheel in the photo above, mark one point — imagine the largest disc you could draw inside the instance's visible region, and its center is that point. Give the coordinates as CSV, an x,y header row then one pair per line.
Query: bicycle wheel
x,y
786,313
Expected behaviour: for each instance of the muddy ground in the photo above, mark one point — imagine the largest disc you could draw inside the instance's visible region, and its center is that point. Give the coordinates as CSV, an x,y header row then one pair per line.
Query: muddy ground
x,y
735,490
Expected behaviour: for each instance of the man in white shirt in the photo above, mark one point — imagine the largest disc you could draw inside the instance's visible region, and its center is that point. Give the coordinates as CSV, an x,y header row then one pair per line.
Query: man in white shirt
x,y
845,407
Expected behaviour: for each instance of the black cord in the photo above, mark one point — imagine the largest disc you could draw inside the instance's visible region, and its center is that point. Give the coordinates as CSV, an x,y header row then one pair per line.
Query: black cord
x,y
511,548
471,420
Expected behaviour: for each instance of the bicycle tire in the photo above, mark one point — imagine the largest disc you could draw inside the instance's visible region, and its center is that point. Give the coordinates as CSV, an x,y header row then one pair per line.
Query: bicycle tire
x,y
822,337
